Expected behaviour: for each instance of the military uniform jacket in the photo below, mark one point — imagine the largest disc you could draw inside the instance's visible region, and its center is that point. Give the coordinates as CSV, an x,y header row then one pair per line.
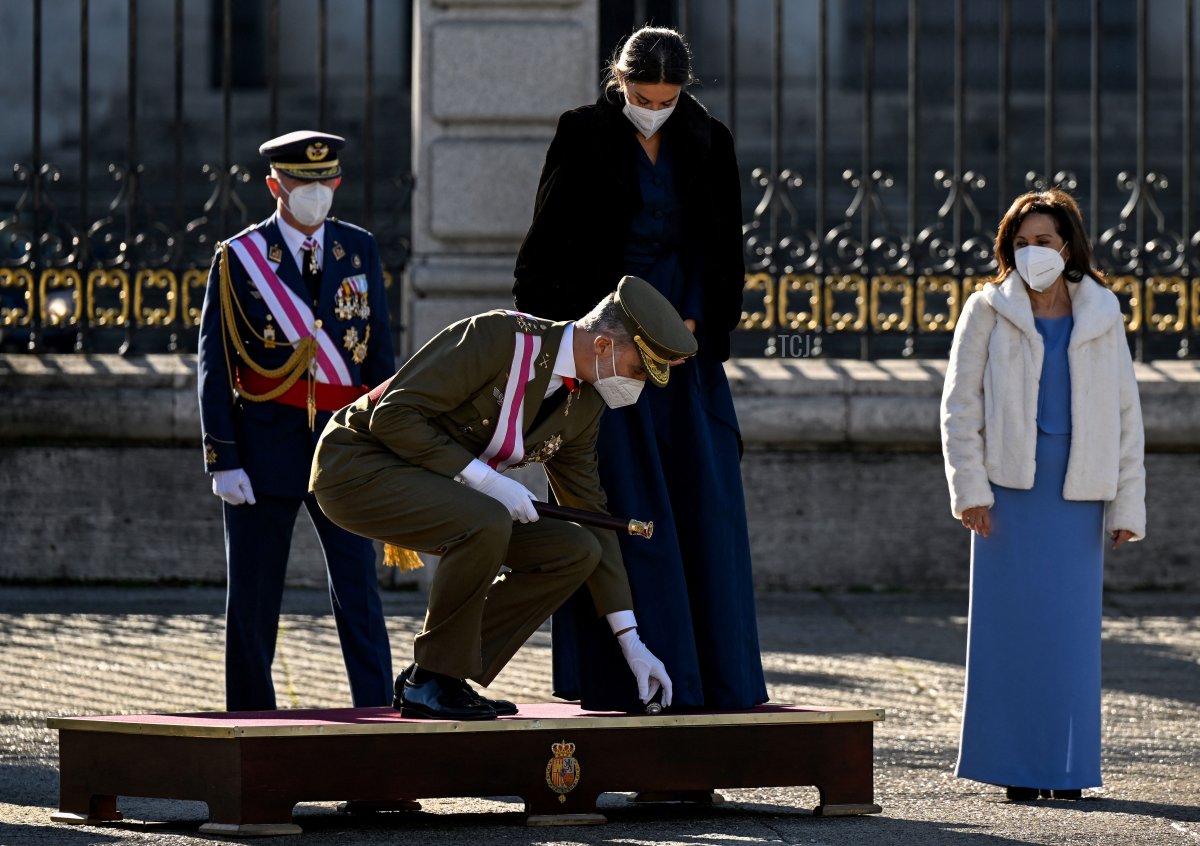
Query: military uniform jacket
x,y
440,410
270,440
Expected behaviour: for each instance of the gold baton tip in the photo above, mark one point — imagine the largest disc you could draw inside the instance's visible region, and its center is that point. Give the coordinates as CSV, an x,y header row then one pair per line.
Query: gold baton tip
x,y
641,528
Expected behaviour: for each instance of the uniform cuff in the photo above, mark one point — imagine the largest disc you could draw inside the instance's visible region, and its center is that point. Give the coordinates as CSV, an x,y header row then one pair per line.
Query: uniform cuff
x,y
619,620
474,473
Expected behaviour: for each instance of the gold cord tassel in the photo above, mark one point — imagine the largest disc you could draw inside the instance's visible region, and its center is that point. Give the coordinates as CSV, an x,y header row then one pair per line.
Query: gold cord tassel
x,y
398,556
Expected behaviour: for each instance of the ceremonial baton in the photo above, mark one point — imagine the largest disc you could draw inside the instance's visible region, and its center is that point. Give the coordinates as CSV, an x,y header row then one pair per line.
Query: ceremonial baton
x,y
639,528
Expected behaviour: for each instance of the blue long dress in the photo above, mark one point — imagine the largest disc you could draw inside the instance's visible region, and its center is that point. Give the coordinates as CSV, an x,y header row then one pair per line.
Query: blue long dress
x,y
1031,716
673,458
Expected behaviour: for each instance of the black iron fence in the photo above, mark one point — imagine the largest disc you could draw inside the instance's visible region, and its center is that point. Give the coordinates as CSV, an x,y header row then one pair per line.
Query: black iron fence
x,y
124,270
885,141
881,143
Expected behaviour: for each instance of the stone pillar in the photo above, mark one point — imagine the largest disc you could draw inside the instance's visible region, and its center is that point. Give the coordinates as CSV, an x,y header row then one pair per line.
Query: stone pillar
x,y
490,78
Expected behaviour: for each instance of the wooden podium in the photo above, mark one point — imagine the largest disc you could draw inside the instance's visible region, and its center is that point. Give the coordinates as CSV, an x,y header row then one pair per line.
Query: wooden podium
x,y
252,767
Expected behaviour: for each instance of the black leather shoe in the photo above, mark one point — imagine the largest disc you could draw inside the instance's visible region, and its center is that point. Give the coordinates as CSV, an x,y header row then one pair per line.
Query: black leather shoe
x,y
1021,794
443,698
1067,794
502,707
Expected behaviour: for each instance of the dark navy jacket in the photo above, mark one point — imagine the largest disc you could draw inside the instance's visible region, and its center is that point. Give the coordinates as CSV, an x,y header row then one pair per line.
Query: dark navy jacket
x,y
270,440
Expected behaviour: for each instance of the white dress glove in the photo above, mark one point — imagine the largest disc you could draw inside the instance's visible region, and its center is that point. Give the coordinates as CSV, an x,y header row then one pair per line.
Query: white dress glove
x,y
233,486
514,496
647,669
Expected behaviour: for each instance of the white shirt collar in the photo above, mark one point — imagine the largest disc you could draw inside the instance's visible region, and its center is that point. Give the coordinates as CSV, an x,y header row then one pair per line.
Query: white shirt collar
x,y
564,362
294,239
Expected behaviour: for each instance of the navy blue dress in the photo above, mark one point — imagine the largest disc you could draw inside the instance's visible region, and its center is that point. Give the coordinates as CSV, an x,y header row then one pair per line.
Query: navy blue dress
x,y
674,458
1031,713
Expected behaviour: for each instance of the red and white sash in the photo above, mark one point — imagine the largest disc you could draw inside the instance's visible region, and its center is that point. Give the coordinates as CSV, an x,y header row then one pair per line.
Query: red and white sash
x,y
290,311
507,446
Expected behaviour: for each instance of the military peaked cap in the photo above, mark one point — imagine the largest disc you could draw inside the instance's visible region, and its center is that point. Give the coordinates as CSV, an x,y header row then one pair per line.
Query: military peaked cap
x,y
657,330
305,154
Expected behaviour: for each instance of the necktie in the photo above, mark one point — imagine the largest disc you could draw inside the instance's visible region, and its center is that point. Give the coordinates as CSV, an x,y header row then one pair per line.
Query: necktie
x,y
310,269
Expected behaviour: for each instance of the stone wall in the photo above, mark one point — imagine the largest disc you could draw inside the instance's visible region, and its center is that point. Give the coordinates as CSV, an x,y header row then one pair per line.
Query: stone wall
x,y
101,476
490,80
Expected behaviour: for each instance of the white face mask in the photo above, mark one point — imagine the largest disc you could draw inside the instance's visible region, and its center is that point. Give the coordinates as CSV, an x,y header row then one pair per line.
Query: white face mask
x,y
310,203
646,120
1039,266
616,391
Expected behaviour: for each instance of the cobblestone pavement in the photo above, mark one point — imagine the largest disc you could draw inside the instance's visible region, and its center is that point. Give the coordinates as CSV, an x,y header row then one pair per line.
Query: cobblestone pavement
x,y
110,650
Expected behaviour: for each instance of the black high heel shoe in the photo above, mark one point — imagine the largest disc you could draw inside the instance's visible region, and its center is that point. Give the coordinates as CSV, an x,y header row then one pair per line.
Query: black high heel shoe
x,y
1021,794
1066,794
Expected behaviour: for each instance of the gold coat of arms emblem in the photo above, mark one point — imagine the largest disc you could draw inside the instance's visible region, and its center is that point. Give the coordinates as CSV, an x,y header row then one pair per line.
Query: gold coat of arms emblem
x,y
563,770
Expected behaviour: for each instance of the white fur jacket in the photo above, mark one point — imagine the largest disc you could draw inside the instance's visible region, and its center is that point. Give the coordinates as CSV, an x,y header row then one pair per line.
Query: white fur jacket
x,y
990,401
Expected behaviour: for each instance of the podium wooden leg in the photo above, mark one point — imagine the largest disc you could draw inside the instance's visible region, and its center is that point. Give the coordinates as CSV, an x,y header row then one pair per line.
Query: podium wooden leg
x,y
236,816
579,808
77,809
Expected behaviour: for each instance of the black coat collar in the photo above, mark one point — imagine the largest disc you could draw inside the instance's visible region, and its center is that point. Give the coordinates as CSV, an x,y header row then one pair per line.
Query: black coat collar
x,y
689,123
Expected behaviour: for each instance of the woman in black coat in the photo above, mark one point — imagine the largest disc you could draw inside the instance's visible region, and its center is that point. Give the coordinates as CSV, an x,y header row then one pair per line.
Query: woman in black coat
x,y
645,182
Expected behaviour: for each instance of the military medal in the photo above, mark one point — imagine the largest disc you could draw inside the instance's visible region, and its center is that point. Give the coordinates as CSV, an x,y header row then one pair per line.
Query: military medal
x,y
343,305
546,450
275,253
338,252
269,334
359,354
350,339
356,261
572,386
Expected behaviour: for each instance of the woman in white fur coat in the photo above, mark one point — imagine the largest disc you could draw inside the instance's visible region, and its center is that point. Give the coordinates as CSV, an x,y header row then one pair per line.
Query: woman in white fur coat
x,y
1042,436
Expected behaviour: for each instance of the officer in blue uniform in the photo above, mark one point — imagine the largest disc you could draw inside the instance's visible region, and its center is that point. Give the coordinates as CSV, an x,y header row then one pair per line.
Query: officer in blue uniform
x,y
294,326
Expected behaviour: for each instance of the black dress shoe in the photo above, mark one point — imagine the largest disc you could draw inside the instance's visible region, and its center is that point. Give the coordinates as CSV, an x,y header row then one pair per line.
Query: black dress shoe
x,y
1021,794
1067,794
443,698
502,707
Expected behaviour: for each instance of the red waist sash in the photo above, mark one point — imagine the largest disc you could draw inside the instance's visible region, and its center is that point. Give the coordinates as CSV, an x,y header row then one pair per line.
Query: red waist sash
x,y
328,397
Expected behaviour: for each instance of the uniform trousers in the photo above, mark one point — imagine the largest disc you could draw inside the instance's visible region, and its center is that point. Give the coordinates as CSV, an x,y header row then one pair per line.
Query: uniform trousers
x,y
258,539
477,618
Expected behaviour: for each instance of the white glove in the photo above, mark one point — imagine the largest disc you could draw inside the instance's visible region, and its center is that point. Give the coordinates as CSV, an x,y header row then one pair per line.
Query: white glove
x,y
647,669
233,486
514,496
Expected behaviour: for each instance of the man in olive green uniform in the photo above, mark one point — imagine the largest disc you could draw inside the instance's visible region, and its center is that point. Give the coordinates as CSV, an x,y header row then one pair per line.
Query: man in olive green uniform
x,y
418,463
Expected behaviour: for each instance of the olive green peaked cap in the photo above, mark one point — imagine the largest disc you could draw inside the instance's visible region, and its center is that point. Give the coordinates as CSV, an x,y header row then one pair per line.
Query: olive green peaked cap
x,y
657,330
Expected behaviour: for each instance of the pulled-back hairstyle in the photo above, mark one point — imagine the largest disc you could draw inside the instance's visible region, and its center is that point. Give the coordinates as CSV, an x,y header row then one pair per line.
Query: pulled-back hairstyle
x,y
1068,222
652,54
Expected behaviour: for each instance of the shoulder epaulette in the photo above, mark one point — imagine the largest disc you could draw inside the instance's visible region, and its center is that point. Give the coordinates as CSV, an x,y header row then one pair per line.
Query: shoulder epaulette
x,y
251,228
353,227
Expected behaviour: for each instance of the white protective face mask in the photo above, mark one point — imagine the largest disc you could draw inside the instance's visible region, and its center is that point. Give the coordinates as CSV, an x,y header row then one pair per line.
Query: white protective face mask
x,y
310,203
617,391
646,120
1039,266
